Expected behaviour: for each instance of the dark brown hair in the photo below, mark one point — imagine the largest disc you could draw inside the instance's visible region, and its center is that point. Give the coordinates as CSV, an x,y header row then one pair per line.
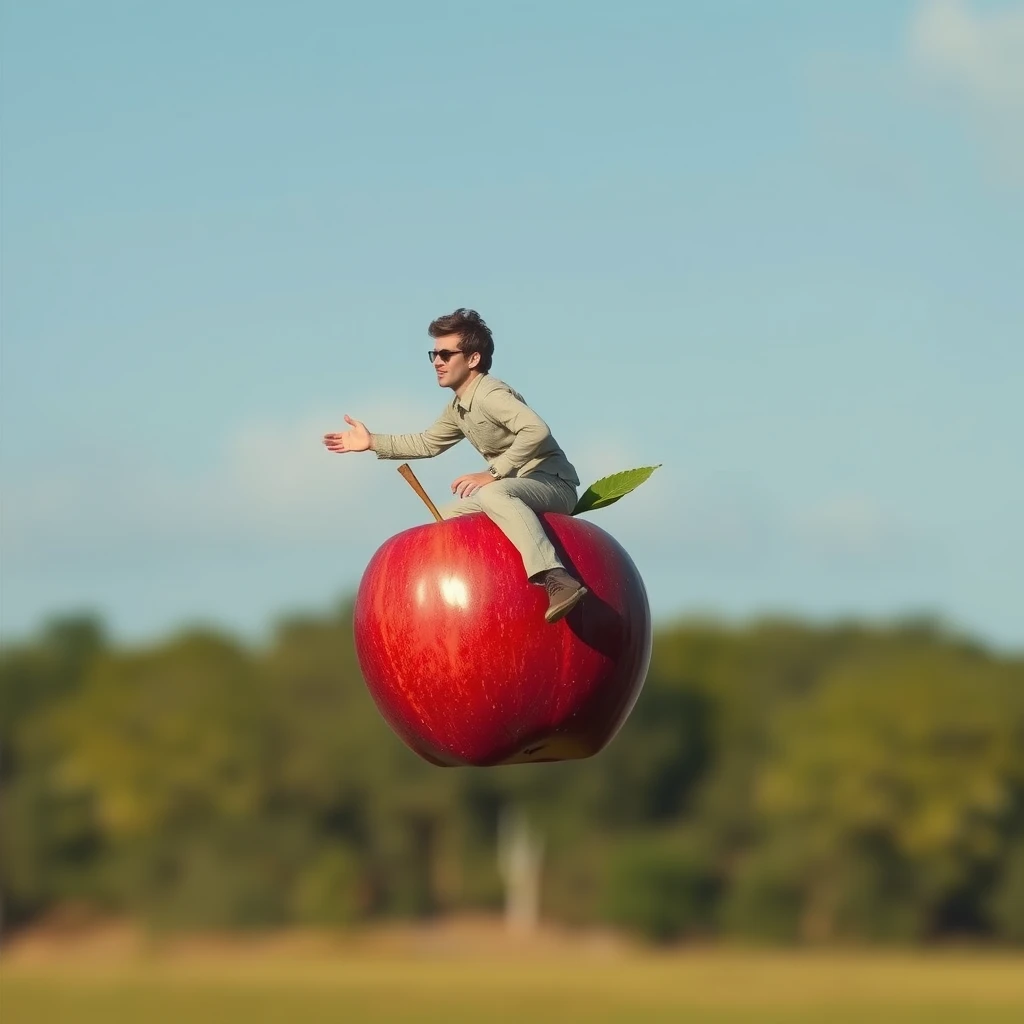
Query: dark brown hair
x,y
471,329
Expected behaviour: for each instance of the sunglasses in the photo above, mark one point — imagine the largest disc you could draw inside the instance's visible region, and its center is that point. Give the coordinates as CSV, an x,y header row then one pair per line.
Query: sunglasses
x,y
444,353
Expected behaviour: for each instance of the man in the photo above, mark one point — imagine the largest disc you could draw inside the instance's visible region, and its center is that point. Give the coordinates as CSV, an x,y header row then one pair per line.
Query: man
x,y
528,472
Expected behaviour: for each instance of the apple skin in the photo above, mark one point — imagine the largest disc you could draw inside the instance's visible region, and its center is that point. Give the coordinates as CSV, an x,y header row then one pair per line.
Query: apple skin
x,y
453,645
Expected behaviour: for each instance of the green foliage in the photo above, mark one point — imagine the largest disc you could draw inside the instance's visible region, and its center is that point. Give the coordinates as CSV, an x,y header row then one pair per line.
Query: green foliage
x,y
1008,897
663,886
220,874
165,736
609,489
327,891
764,901
776,782
912,760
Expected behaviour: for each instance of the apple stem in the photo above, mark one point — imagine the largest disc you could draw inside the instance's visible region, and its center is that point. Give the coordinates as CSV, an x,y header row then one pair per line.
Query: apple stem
x,y
410,476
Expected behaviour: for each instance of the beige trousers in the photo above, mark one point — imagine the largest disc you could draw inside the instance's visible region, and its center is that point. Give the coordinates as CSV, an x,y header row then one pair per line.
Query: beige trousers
x,y
512,503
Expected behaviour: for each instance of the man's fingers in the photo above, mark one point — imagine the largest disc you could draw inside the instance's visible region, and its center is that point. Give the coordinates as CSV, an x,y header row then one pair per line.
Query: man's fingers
x,y
465,486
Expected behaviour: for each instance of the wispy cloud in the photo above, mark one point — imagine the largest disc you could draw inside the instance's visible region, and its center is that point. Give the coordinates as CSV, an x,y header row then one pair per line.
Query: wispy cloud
x,y
848,527
268,483
979,54
272,487
975,59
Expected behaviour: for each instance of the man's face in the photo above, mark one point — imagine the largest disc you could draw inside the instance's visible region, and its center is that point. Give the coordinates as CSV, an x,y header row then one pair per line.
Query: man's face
x,y
454,372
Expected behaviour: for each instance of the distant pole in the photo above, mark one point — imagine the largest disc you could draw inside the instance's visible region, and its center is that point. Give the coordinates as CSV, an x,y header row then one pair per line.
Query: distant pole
x,y
520,858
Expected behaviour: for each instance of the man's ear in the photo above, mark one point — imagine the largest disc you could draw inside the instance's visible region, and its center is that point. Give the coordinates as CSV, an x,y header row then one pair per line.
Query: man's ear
x,y
473,360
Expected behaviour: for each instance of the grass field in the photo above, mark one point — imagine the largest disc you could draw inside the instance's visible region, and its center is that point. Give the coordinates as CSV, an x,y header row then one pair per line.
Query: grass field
x,y
478,982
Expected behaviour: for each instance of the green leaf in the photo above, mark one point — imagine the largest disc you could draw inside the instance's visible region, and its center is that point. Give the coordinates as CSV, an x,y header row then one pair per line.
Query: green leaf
x,y
609,489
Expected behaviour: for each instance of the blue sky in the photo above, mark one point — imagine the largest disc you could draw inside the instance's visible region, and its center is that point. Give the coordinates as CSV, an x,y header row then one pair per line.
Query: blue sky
x,y
776,247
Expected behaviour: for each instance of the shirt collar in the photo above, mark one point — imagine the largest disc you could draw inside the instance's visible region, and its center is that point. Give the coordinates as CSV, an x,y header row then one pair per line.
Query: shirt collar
x,y
466,401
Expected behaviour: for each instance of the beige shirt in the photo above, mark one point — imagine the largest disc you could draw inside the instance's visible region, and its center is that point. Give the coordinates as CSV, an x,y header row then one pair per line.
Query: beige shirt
x,y
513,439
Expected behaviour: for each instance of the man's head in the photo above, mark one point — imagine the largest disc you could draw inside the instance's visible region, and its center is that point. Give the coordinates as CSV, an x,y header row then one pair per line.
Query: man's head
x,y
465,335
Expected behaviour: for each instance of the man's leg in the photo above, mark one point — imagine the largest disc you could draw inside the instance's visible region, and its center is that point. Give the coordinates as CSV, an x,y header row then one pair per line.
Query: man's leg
x,y
512,505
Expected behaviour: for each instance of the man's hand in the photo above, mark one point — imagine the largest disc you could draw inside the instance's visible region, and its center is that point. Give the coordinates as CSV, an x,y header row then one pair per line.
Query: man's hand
x,y
470,483
355,440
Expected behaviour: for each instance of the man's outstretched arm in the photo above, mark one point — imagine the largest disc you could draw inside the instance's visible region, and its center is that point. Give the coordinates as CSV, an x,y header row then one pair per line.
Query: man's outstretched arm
x,y
435,439
355,440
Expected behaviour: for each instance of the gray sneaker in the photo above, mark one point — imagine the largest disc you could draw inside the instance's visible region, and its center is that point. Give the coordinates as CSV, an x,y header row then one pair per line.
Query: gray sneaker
x,y
564,593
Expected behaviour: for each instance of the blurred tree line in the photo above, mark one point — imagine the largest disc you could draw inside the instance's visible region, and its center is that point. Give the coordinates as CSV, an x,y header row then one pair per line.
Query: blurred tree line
x,y
777,782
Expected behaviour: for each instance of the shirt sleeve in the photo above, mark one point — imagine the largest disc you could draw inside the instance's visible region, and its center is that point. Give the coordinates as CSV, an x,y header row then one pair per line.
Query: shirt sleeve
x,y
437,438
512,413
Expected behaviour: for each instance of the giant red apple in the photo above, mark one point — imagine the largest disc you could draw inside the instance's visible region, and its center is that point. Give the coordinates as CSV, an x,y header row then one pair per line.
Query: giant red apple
x,y
454,648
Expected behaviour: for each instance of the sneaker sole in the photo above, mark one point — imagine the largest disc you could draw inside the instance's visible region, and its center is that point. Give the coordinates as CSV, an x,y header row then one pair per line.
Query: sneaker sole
x,y
560,611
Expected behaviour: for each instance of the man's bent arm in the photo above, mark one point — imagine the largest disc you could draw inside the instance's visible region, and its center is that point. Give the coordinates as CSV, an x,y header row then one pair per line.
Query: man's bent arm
x,y
435,439
530,430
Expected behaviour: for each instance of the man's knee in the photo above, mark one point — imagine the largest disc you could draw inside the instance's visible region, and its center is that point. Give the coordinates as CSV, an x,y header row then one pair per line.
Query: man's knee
x,y
538,500
491,496
462,507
